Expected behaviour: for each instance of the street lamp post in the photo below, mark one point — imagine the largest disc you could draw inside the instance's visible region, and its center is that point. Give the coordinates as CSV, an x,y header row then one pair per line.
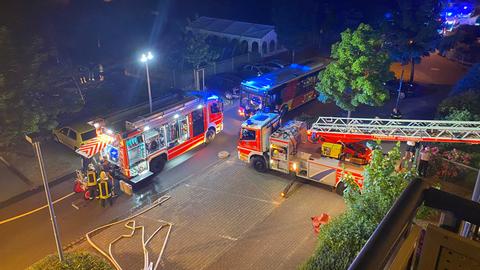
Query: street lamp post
x,y
56,232
144,59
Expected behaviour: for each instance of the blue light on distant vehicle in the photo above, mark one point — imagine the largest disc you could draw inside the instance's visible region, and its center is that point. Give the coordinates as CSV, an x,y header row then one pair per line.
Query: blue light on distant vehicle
x,y
212,97
113,154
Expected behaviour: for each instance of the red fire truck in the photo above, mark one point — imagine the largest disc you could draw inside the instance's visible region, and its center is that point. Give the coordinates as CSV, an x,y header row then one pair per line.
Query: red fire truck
x,y
265,144
139,143
281,90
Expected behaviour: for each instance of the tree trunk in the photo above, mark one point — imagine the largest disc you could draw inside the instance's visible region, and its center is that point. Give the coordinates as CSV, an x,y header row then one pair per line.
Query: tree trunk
x,y
412,72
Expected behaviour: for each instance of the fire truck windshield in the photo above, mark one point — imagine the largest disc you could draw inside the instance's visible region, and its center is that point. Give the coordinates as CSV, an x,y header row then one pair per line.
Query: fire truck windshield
x,y
251,101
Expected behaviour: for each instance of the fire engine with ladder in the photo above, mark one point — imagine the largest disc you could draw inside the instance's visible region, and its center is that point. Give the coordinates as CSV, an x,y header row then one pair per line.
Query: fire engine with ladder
x,y
333,146
139,143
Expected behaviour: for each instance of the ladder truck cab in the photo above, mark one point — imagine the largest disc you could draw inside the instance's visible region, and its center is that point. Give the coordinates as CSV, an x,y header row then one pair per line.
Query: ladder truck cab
x,y
266,145
139,143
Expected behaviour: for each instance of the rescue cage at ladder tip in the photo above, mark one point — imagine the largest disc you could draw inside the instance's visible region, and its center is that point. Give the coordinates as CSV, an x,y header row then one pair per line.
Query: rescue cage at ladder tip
x,y
139,143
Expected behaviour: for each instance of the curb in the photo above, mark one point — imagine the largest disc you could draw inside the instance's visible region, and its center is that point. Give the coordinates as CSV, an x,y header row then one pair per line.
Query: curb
x,y
35,190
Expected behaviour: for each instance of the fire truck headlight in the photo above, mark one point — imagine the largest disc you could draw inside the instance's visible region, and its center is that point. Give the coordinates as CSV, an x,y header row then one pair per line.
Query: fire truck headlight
x,y
294,166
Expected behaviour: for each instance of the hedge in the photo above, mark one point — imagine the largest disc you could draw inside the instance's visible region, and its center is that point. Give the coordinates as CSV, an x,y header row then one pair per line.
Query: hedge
x,y
73,261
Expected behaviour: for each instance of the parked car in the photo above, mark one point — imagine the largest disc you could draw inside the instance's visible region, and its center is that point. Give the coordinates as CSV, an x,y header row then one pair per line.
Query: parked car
x,y
408,89
224,84
74,136
253,70
274,64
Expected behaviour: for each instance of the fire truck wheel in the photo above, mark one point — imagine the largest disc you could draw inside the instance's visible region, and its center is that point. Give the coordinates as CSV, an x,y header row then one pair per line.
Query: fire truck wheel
x,y
340,188
259,164
157,164
210,136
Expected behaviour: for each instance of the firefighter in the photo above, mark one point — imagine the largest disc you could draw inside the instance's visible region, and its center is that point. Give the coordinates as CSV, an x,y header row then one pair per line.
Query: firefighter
x,y
104,189
91,181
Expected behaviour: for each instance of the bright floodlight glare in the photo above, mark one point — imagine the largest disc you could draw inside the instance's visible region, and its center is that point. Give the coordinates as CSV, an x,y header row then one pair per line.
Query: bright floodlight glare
x,y
199,106
146,128
145,57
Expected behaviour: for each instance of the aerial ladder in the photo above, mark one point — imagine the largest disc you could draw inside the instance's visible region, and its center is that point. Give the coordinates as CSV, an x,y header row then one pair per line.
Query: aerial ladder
x,y
362,129
354,130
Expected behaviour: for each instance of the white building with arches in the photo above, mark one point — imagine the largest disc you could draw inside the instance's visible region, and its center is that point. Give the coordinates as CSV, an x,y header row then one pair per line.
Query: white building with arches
x,y
251,37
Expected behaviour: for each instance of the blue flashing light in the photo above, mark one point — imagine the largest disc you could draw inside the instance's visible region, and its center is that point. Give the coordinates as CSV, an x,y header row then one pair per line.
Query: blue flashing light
x,y
465,7
249,121
294,65
212,97
113,154
449,13
247,82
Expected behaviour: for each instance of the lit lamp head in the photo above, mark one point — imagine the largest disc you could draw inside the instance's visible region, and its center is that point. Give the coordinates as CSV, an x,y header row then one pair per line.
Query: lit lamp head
x,y
146,57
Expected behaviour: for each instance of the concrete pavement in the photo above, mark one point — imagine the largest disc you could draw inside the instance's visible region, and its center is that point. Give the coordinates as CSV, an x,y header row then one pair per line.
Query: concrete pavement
x,y
229,217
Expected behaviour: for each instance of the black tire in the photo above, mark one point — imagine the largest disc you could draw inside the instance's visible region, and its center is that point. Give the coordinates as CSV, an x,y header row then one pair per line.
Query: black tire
x,y
157,164
259,164
340,188
210,136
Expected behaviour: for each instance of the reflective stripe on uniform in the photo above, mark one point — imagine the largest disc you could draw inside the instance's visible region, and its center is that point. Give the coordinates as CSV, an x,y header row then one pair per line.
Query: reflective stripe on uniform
x,y
91,179
104,190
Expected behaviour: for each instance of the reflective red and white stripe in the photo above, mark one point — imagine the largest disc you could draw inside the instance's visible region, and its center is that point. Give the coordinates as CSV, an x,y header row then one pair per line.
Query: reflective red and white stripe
x,y
92,147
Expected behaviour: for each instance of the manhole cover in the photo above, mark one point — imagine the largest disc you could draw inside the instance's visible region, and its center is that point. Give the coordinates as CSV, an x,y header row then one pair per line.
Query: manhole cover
x,y
223,154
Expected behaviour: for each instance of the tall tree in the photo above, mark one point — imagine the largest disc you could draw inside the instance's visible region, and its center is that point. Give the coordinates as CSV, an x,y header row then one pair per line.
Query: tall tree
x,y
295,22
32,87
197,51
412,31
357,73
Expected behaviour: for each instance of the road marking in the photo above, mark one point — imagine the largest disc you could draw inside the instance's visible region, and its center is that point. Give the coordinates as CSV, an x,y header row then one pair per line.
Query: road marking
x,y
34,210
74,206
228,237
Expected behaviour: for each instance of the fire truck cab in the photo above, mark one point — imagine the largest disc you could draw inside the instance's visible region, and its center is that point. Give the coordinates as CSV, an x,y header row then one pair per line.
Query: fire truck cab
x,y
265,144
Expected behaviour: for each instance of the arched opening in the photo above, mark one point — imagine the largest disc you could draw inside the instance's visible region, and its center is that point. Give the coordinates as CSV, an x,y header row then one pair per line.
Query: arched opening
x,y
255,47
243,47
264,47
272,45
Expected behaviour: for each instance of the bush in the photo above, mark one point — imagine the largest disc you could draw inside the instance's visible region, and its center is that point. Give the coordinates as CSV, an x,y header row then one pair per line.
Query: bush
x,y
73,260
340,240
460,107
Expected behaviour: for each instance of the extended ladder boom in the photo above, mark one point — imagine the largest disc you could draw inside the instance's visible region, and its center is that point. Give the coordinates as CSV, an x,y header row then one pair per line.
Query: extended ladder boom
x,y
358,129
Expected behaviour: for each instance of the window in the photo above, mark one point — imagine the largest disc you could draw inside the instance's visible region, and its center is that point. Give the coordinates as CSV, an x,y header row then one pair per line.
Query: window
x,y
248,134
184,130
64,131
89,135
172,133
198,124
214,108
72,135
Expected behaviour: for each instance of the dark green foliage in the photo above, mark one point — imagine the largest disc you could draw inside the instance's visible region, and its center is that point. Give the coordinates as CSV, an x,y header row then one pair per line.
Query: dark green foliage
x,y
461,107
197,51
412,32
357,74
73,260
32,87
340,240
470,82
